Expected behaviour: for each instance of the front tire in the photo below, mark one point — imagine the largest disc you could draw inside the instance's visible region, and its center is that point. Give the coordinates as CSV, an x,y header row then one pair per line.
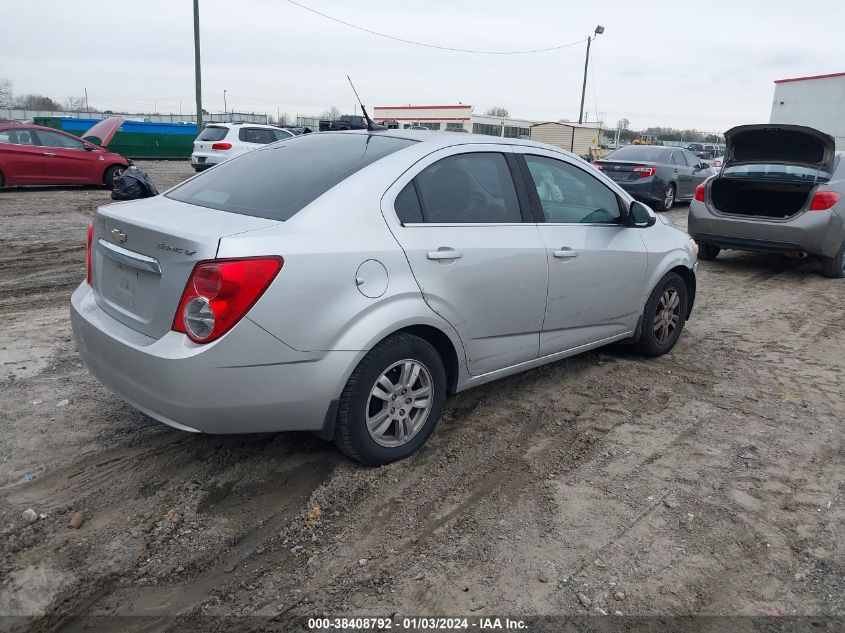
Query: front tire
x,y
664,316
112,175
708,252
392,401
834,267
668,200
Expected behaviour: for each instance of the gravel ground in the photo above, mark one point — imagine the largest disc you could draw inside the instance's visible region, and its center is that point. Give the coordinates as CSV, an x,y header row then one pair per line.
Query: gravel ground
x,y
706,482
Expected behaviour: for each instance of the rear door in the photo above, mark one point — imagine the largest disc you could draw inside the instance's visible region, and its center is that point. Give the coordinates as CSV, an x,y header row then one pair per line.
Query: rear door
x,y
474,251
253,137
67,161
700,170
597,265
21,160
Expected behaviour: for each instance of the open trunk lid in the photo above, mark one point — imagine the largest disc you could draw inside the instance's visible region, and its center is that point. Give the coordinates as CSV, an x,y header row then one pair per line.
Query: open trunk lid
x,y
143,252
772,143
103,132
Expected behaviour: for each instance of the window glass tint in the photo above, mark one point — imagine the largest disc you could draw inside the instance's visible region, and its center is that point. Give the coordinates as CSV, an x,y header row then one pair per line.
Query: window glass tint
x,y
469,188
570,195
256,135
276,181
53,139
281,135
17,137
408,205
639,152
213,133
774,171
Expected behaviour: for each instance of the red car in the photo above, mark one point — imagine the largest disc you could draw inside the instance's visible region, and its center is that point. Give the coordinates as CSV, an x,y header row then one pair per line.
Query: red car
x,y
36,155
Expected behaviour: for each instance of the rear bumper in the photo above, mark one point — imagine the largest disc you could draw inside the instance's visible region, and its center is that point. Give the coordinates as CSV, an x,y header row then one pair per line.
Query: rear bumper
x,y
649,189
815,232
246,382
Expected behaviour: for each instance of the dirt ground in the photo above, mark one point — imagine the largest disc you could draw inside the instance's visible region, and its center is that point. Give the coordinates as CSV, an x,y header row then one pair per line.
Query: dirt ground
x,y
707,482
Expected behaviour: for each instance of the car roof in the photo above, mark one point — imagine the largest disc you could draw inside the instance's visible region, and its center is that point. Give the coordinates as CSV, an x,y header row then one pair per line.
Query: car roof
x,y
231,123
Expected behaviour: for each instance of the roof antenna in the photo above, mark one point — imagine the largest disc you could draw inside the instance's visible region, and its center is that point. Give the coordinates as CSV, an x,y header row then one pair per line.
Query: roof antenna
x,y
370,125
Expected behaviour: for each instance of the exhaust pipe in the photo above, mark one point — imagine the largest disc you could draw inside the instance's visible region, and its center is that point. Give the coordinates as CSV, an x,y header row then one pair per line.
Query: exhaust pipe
x,y
797,254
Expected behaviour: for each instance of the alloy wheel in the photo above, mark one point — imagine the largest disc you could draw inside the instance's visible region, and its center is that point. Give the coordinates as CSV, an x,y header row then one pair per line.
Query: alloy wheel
x,y
667,316
399,403
669,200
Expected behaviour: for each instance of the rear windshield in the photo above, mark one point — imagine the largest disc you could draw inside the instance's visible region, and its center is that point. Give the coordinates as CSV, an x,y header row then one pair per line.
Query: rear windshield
x,y
278,180
215,133
775,171
634,152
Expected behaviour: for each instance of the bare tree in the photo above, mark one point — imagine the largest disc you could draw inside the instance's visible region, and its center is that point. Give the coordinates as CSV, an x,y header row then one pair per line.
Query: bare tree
x,y
74,104
332,114
6,94
623,124
36,102
498,111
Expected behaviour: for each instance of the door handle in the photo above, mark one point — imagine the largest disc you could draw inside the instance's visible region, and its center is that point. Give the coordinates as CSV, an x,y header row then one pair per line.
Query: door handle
x,y
444,254
565,253
49,154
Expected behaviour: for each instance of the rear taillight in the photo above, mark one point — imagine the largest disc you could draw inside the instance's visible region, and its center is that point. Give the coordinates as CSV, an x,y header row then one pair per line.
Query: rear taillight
x,y
219,292
88,276
699,192
598,166
644,172
823,200
223,146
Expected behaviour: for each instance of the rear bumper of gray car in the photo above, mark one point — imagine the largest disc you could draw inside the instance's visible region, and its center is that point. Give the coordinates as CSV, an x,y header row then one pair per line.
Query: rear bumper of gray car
x,y
814,232
246,382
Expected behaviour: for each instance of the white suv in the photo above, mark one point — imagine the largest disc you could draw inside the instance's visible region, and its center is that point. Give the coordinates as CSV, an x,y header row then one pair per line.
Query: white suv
x,y
219,142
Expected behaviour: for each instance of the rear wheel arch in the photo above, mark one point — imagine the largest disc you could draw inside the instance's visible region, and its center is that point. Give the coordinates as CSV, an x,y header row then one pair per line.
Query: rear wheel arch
x,y
2,179
444,347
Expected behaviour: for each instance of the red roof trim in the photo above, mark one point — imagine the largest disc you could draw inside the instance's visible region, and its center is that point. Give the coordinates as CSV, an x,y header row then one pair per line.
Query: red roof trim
x,y
420,118
784,81
443,107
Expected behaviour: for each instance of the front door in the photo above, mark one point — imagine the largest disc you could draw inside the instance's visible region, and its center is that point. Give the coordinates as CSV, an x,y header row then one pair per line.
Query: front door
x,y
475,253
67,161
597,265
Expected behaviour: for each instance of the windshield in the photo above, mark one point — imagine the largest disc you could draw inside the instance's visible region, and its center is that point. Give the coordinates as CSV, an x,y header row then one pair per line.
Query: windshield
x,y
278,180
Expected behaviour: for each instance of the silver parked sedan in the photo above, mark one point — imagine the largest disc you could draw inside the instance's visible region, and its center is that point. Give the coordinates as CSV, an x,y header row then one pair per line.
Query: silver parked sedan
x,y
780,189
345,282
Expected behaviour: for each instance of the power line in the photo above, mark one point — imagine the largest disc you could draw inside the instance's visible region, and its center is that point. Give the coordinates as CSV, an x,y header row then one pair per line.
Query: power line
x,y
442,48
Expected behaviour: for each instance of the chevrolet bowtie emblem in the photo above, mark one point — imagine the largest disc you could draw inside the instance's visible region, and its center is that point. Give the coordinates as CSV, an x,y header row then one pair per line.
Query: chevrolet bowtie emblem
x,y
117,236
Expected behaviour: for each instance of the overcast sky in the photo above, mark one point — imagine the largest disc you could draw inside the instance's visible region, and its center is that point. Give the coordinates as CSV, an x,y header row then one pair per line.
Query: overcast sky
x,y
704,64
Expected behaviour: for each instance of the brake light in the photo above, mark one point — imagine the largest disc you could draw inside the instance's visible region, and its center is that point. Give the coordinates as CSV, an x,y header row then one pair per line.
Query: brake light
x,y
823,200
88,276
223,146
699,192
644,172
220,292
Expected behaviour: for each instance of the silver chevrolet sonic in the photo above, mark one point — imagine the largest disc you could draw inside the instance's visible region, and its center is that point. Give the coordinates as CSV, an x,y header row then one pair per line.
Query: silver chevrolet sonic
x,y
345,282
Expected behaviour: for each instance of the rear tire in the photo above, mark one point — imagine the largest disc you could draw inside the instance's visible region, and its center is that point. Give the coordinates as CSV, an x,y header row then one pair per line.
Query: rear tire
x,y
2,180
668,200
112,175
377,430
664,316
708,252
834,267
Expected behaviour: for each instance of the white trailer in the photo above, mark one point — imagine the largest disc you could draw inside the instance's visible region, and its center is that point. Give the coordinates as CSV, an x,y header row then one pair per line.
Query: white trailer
x,y
817,102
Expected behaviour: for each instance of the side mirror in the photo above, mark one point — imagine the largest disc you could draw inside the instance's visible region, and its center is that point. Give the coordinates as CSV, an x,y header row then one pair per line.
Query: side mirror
x,y
640,215
88,148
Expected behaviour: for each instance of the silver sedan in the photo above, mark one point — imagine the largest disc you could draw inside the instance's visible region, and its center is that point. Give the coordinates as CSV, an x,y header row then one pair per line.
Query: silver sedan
x,y
346,282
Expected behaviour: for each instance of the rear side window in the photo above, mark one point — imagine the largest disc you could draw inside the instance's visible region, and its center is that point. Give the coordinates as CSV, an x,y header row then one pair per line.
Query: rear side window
x,y
407,205
474,188
276,181
257,135
213,133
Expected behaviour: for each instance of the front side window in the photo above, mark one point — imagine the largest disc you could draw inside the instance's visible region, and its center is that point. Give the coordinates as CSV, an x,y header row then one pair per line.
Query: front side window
x,y
54,139
277,181
281,135
261,136
570,195
692,161
474,188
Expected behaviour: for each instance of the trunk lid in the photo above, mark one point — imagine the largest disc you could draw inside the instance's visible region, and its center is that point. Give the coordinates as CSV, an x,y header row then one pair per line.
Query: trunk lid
x,y
143,252
621,171
103,132
772,143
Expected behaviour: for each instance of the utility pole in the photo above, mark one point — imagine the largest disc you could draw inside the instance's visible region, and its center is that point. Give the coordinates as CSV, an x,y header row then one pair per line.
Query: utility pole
x,y
225,106
197,71
87,109
599,30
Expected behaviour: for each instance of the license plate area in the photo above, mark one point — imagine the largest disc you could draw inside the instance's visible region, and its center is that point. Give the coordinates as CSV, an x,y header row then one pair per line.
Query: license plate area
x,y
200,159
127,290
